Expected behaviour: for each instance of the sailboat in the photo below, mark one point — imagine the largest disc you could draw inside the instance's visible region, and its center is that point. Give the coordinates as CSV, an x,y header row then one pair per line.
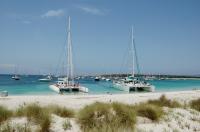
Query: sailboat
x,y
132,83
97,79
67,84
46,79
15,76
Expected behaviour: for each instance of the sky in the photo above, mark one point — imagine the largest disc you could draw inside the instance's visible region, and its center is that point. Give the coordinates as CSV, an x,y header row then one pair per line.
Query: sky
x,y
33,35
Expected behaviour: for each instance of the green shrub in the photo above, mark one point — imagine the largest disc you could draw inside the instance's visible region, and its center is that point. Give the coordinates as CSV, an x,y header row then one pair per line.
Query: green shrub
x,y
93,115
195,104
4,114
125,116
36,113
33,112
42,115
61,111
150,111
163,101
103,117
45,122
15,128
19,112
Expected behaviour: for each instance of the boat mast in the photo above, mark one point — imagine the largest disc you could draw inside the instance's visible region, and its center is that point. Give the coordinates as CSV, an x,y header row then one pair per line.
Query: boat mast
x,y
132,49
69,55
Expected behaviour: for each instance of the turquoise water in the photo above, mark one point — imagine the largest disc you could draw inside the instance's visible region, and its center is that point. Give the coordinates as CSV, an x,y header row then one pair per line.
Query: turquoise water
x,y
29,85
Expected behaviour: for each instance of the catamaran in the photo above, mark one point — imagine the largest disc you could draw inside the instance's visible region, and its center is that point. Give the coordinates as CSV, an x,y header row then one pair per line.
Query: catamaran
x,y
16,77
67,84
133,83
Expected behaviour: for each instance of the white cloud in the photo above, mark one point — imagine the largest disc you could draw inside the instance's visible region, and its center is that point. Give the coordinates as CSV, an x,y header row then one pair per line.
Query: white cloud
x,y
53,13
92,10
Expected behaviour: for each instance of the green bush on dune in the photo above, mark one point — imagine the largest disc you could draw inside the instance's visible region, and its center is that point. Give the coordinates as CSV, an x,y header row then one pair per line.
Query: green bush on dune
x,y
20,111
4,114
61,111
195,104
125,116
163,101
94,115
150,111
37,114
42,115
33,112
107,117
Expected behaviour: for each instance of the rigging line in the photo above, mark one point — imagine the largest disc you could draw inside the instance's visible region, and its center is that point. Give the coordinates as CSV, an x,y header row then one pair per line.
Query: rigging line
x,y
136,58
62,54
124,59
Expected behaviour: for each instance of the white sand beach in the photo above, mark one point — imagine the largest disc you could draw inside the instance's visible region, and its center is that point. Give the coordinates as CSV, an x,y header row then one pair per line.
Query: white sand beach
x,y
79,101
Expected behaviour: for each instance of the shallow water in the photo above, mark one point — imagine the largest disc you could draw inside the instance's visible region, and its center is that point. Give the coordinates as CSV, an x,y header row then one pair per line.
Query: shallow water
x,y
29,85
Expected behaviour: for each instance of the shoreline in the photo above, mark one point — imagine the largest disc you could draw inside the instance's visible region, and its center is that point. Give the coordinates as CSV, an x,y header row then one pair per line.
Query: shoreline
x,y
103,93
79,101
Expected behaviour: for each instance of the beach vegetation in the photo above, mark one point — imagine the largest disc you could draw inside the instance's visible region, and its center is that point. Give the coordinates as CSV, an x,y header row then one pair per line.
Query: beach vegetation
x,y
150,111
4,114
7,127
66,125
61,111
42,115
125,115
45,122
94,116
20,111
36,114
107,117
195,104
164,102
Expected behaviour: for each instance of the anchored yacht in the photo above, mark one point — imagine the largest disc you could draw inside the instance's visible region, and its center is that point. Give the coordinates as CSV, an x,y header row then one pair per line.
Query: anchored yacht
x,y
46,79
133,83
67,84
16,77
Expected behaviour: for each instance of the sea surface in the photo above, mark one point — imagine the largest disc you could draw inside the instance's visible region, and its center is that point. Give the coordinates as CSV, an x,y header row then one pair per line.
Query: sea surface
x,y
30,85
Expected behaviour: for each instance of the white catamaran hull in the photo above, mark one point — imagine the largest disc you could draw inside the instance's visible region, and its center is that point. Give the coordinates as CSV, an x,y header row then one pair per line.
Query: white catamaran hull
x,y
54,88
121,87
69,89
134,87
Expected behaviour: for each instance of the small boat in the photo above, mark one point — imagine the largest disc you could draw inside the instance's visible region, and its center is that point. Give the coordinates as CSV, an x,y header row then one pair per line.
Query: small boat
x,y
16,77
97,79
103,78
67,84
78,78
107,79
47,79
